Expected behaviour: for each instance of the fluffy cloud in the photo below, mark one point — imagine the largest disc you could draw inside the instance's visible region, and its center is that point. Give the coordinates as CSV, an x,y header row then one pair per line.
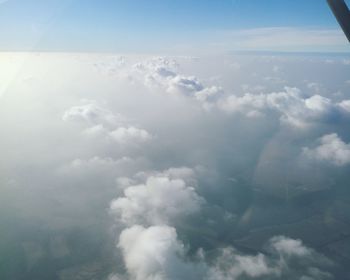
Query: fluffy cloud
x,y
160,200
163,72
155,253
289,247
293,107
232,265
290,104
159,64
209,94
186,174
103,123
155,72
332,149
288,259
92,114
184,85
125,135
345,105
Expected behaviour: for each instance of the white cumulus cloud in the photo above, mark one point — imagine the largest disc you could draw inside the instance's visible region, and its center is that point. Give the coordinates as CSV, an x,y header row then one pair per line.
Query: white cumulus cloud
x,y
160,200
290,104
101,122
129,134
155,253
289,247
331,149
91,113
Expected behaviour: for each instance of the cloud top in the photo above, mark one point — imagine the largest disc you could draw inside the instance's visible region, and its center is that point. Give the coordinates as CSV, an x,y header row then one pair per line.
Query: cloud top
x,y
331,149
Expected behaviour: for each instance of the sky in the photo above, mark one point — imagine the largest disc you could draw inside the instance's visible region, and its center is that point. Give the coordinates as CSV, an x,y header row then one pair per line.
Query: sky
x,y
172,140
169,26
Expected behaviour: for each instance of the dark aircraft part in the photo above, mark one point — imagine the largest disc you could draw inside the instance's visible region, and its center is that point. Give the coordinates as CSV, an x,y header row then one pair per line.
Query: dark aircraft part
x,y
342,13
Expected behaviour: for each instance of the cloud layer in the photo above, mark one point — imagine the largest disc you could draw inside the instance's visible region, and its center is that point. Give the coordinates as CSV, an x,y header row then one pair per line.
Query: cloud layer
x,y
165,168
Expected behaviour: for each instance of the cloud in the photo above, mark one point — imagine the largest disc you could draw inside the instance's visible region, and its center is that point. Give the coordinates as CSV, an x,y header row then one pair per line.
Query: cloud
x,y
289,247
287,259
155,72
186,174
294,107
290,104
345,105
163,72
92,114
331,149
288,38
105,124
184,85
155,253
235,132
346,61
277,39
232,265
124,135
159,200
161,64
110,66
96,166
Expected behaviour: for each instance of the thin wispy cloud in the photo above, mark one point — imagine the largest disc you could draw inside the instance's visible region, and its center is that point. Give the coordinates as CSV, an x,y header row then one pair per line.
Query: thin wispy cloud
x,y
274,39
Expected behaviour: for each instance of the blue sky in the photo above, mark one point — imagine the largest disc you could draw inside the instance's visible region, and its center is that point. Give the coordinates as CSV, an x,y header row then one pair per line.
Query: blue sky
x,y
160,25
